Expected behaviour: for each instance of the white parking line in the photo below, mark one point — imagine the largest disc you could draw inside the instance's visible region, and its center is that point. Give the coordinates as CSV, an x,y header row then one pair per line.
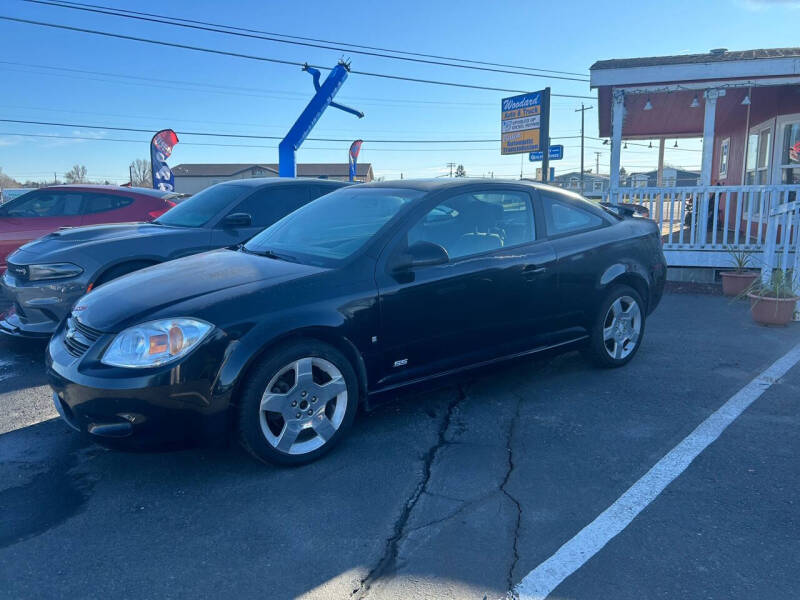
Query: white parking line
x,y
540,582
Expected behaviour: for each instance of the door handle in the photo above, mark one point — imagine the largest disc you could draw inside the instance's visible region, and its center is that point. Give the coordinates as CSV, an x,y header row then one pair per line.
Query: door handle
x,y
534,270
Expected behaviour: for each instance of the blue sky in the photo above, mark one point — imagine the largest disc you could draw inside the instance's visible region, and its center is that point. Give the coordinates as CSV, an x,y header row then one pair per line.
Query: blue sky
x,y
201,92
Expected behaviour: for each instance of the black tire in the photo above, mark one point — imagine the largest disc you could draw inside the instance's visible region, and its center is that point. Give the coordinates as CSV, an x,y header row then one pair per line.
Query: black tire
x,y
251,421
120,270
597,350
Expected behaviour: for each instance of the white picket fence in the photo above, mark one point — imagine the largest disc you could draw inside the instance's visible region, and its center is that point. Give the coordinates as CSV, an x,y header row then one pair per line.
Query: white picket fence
x,y
700,224
781,248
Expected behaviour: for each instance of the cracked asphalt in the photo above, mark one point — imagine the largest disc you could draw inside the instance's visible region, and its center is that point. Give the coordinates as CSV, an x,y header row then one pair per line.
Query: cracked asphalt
x,y
457,492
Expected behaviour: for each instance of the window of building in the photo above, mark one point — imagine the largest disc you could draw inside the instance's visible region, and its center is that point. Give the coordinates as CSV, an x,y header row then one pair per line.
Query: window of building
x,y
759,148
724,151
597,186
574,182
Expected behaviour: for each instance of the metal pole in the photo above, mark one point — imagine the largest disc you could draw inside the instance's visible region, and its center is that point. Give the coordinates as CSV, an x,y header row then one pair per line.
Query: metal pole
x,y
544,132
597,165
582,110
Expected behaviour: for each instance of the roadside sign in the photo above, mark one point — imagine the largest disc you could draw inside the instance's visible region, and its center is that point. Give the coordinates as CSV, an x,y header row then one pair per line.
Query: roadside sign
x,y
556,153
520,123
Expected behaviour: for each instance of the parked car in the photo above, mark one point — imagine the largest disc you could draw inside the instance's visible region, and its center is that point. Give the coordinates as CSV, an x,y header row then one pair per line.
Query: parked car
x,y
46,277
363,291
38,212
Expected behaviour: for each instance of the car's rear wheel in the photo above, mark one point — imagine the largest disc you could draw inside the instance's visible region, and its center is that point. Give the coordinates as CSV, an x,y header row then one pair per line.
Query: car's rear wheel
x,y
297,403
618,328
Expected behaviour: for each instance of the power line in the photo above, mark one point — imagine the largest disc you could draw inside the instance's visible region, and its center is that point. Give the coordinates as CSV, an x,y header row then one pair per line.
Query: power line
x,y
85,6
254,136
264,58
217,28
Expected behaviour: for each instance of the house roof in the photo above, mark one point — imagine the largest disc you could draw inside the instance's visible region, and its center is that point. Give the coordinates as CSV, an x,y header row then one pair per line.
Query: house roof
x,y
720,55
314,170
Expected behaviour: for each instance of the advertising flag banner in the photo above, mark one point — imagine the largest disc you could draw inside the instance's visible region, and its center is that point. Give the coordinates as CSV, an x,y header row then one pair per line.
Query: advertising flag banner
x,y
355,148
160,149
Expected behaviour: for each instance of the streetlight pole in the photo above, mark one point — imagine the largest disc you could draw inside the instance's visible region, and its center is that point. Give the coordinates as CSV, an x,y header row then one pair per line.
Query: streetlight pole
x,y
582,110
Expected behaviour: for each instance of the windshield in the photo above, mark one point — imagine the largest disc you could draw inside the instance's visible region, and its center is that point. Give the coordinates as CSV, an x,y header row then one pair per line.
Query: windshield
x,y
334,226
203,206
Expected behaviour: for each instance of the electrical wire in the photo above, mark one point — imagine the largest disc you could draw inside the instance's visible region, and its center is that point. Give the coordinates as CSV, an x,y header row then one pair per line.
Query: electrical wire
x,y
81,5
267,59
258,137
216,28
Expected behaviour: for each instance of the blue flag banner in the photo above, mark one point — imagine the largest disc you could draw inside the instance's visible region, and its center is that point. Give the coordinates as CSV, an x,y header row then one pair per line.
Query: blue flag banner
x,y
160,149
355,148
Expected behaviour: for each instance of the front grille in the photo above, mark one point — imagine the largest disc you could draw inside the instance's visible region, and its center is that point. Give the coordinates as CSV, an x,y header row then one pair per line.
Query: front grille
x,y
79,337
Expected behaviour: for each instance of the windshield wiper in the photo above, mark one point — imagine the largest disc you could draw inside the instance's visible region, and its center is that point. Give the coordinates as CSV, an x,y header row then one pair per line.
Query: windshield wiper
x,y
269,254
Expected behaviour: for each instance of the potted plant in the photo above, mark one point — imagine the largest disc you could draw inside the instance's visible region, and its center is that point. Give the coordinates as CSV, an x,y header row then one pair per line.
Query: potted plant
x,y
738,281
774,302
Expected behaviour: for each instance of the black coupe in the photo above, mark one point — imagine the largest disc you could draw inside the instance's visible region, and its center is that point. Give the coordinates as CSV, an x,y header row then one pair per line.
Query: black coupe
x,y
363,291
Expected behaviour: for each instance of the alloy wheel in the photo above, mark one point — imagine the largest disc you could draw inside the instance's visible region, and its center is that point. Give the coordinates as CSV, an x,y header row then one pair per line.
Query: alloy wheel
x,y
622,327
303,405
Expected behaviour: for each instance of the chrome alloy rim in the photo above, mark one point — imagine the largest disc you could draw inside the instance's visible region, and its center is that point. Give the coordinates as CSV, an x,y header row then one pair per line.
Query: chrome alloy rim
x,y
622,327
303,405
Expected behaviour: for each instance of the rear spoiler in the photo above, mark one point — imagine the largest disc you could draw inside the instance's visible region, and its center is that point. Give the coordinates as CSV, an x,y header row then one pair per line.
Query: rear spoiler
x,y
627,210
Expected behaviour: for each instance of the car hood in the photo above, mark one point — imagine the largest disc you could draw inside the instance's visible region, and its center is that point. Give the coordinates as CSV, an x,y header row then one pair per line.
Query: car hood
x,y
78,237
137,297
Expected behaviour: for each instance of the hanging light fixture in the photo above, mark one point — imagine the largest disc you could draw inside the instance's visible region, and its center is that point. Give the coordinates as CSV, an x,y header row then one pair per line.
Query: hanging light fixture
x,y
651,144
625,147
746,101
676,144
605,142
695,102
648,105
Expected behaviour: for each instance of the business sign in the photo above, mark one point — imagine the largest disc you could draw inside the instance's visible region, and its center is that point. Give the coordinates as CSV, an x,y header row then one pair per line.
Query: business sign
x,y
556,153
160,149
524,122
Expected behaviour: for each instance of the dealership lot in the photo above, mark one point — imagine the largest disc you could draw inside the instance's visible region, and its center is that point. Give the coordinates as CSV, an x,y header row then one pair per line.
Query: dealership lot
x,y
458,492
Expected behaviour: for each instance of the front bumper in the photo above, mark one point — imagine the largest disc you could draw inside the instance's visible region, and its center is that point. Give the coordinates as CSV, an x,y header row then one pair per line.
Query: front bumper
x,y
37,307
139,409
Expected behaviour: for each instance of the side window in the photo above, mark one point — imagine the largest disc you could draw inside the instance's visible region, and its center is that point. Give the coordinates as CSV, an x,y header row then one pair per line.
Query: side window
x,y
562,217
315,191
272,203
97,203
477,222
47,204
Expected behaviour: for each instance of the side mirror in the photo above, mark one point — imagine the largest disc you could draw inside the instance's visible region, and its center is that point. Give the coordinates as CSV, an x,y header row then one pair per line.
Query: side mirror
x,y
421,254
235,220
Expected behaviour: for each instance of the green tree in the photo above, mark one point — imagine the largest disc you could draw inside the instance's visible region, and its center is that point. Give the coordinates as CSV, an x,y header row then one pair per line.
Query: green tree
x,y
461,171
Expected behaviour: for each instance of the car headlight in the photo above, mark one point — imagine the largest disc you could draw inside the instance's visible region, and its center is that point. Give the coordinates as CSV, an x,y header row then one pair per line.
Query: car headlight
x,y
53,271
155,343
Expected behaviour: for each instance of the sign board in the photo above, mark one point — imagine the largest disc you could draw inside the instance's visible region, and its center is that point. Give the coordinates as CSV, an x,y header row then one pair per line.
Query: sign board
x,y
539,173
520,123
556,153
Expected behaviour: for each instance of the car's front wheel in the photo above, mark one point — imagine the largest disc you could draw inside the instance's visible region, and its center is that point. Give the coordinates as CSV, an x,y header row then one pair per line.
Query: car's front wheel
x,y
618,328
297,403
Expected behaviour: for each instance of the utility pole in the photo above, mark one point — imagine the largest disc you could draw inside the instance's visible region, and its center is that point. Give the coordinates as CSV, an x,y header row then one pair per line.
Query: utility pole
x,y
451,165
130,171
582,110
597,167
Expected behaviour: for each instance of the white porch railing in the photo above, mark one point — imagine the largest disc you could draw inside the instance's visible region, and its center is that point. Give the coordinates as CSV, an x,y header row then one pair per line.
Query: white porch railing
x,y
784,222
700,224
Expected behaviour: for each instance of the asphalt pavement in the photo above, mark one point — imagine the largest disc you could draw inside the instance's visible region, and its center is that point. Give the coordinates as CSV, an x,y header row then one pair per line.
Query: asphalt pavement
x,y
458,492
